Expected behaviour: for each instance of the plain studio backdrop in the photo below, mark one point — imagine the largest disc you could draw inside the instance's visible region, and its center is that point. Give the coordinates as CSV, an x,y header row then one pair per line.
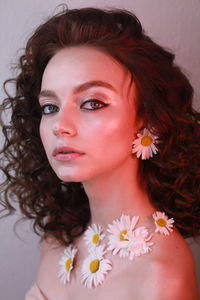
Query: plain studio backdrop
x,y
174,24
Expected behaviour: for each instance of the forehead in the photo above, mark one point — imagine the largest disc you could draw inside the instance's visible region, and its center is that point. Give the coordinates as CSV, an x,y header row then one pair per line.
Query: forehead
x,y
75,65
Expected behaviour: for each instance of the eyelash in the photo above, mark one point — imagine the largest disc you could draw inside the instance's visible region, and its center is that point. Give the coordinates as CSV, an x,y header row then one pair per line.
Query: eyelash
x,y
56,109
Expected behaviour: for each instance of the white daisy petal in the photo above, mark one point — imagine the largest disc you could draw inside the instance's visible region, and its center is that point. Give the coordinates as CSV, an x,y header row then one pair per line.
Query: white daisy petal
x,y
134,221
114,227
154,148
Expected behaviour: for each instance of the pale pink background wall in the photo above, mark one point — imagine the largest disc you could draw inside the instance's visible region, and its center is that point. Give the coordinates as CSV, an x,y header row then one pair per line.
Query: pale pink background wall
x,y
173,23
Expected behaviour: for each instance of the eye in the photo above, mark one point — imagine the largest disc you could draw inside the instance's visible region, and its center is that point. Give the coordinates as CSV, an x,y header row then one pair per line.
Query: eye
x,y
48,109
94,104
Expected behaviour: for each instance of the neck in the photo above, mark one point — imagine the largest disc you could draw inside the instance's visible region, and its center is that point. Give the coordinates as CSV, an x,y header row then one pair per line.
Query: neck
x,y
118,193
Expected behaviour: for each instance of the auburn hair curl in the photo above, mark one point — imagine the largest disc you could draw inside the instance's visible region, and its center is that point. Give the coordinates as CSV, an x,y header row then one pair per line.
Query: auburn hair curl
x,y
164,102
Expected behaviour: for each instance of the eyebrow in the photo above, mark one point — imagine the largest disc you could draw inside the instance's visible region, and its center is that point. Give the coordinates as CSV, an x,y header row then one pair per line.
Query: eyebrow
x,y
80,88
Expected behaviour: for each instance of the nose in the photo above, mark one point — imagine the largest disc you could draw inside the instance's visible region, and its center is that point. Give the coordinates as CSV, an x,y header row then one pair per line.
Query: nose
x,y
64,125
59,131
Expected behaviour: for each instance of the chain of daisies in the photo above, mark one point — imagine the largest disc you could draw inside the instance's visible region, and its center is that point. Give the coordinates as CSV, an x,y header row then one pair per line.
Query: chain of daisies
x,y
124,239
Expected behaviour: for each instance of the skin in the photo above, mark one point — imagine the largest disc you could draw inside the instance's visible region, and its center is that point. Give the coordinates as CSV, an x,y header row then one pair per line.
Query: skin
x,y
104,135
166,273
109,174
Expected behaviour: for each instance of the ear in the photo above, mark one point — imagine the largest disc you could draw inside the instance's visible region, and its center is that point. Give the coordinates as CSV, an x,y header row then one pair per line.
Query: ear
x,y
140,124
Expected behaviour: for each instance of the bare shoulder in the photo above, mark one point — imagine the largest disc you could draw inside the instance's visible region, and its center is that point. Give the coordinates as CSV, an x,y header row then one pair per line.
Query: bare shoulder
x,y
172,270
50,254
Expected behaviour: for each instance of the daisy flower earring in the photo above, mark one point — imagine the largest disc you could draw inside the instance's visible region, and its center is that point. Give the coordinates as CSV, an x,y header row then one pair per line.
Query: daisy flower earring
x,y
163,224
66,264
95,267
144,144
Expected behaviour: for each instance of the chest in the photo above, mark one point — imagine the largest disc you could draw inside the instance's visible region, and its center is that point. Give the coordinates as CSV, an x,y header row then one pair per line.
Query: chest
x,y
122,282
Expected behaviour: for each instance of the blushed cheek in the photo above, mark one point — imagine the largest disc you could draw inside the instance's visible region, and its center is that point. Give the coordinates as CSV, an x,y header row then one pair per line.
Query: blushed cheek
x,y
117,128
111,135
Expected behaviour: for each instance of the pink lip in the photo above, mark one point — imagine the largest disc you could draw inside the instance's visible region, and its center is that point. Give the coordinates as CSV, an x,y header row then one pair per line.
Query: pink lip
x,y
60,153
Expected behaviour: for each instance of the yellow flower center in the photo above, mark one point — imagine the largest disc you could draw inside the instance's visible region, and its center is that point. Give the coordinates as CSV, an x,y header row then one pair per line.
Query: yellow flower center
x,y
161,222
95,238
121,235
94,266
146,141
68,263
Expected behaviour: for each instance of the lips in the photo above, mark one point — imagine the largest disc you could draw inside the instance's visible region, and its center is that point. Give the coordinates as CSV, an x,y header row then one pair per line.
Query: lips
x,y
64,150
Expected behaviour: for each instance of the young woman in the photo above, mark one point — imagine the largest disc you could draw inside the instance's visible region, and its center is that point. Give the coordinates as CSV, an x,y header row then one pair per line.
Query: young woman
x,y
102,153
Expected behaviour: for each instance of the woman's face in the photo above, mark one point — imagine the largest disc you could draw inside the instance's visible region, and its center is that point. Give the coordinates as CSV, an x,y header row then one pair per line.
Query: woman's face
x,y
88,103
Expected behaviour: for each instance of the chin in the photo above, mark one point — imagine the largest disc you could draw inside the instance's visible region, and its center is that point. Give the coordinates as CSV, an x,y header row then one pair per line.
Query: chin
x,y
68,177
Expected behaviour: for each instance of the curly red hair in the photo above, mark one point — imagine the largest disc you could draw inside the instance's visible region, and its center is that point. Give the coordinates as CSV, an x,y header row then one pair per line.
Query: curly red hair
x,y
164,102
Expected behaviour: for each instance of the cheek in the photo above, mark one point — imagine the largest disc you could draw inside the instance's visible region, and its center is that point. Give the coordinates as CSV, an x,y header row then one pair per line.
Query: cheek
x,y
110,135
